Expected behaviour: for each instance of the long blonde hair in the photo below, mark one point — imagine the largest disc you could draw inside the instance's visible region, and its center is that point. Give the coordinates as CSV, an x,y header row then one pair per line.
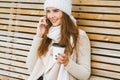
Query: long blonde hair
x,y
68,29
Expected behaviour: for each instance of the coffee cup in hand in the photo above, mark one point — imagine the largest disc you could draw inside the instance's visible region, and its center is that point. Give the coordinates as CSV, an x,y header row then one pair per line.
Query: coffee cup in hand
x,y
57,49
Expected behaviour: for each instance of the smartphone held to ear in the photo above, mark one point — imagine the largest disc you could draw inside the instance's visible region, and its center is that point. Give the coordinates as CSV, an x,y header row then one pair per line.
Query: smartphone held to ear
x,y
48,22
45,21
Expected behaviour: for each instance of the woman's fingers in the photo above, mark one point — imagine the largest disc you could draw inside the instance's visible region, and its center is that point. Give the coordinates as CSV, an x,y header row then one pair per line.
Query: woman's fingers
x,y
41,26
42,22
60,58
63,59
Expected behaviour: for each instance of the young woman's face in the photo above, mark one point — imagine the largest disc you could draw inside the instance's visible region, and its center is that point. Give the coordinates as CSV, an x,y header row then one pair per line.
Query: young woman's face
x,y
54,15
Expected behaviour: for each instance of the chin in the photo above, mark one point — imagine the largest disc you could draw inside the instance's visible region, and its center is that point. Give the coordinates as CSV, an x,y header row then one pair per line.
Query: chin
x,y
56,24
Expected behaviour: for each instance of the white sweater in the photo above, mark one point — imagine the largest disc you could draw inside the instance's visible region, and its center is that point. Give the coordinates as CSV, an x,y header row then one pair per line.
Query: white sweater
x,y
77,71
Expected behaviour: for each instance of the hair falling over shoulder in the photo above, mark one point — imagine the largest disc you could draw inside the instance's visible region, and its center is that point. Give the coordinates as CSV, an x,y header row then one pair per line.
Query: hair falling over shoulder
x,y
68,30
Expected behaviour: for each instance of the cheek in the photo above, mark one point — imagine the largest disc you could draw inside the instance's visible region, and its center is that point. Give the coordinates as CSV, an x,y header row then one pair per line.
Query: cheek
x,y
47,16
59,16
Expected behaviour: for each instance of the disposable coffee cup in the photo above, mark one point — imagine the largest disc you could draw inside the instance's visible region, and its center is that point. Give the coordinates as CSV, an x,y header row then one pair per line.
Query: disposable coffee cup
x,y
57,49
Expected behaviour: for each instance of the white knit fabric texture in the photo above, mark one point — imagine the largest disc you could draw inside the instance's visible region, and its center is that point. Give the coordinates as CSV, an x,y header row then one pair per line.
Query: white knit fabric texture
x,y
63,5
54,34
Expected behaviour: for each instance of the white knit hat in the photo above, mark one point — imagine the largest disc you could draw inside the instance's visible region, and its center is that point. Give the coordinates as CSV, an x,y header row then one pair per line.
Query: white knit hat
x,y
63,5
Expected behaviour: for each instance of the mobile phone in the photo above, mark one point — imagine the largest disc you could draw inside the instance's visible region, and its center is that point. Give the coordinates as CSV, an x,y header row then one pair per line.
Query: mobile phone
x,y
48,22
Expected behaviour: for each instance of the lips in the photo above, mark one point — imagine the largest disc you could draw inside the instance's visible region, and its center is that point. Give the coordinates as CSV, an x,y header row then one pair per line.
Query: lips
x,y
53,21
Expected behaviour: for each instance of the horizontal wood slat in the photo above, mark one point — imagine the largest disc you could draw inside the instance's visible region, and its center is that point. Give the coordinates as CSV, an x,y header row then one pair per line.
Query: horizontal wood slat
x,y
97,9
15,40
106,45
97,2
22,11
105,52
106,73
13,51
12,74
13,45
99,23
104,37
11,62
20,5
30,1
17,22
20,17
13,57
99,30
99,78
96,16
79,2
17,34
18,28
106,59
106,66
2,77
14,69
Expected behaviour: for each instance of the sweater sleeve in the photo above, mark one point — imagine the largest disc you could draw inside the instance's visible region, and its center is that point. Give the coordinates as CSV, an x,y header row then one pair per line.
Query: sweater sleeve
x,y
82,69
32,55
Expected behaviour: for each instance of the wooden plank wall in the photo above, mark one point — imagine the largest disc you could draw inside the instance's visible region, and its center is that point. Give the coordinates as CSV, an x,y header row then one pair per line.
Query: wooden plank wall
x,y
99,18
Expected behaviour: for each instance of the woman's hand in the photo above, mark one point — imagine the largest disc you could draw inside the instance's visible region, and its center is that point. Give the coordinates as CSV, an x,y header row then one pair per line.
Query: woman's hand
x,y
41,27
63,59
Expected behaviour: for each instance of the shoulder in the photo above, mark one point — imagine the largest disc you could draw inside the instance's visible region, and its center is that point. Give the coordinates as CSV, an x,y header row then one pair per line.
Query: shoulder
x,y
82,33
83,37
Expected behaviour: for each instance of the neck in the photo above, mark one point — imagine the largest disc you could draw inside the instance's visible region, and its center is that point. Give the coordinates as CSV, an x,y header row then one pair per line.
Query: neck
x,y
56,25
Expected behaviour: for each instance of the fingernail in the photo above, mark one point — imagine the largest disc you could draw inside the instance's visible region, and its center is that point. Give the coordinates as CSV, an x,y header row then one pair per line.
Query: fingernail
x,y
55,55
56,58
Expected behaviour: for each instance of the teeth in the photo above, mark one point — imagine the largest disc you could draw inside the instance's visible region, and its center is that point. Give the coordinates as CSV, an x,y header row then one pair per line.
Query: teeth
x,y
53,21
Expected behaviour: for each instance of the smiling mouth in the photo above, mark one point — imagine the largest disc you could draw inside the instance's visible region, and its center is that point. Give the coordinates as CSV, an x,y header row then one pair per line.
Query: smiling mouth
x,y
53,21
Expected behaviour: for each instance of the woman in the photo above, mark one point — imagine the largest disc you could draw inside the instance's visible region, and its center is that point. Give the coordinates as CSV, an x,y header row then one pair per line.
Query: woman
x,y
59,26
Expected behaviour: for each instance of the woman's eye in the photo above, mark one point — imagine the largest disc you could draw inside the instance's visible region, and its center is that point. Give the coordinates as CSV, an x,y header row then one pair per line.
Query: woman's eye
x,y
47,11
56,10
